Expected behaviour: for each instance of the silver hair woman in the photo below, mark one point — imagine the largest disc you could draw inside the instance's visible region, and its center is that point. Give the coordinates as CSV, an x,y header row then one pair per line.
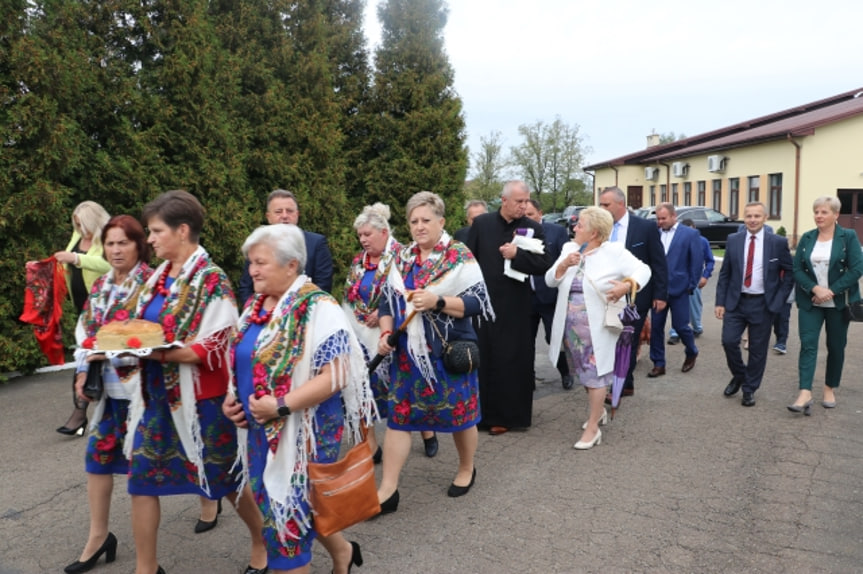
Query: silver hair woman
x,y
300,379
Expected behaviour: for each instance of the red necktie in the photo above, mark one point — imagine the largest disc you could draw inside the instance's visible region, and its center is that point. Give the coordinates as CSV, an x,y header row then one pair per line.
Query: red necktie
x,y
750,258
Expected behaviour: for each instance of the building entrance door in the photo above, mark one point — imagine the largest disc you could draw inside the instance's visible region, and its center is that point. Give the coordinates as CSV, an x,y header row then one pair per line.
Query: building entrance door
x,y
634,195
851,211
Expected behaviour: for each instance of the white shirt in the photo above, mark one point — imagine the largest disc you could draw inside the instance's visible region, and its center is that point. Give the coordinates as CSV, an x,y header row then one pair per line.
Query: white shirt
x,y
622,227
668,236
757,285
820,259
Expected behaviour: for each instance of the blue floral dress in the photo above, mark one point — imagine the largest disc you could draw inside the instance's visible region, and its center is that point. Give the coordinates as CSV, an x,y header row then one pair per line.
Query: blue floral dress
x,y
448,404
159,464
285,553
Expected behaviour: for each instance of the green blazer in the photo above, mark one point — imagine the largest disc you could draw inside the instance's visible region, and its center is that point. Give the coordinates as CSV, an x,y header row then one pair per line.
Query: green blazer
x,y
846,267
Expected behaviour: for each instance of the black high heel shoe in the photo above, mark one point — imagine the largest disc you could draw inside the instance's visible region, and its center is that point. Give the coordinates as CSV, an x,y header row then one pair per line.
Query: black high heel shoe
x,y
203,526
806,409
391,504
78,431
108,548
356,557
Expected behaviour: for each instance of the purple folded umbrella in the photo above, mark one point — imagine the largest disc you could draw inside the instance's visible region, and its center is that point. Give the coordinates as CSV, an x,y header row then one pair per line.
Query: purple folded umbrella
x,y
623,352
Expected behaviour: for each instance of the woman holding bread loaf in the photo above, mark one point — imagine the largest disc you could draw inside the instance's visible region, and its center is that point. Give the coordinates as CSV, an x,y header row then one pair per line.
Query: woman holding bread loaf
x,y
180,442
111,298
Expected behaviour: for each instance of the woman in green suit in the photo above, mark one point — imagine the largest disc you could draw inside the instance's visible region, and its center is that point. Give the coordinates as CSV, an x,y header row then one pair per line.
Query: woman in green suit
x,y
827,266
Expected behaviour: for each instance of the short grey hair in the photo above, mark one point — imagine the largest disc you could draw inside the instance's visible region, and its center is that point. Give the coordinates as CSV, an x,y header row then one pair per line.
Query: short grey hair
x,y
512,184
830,201
618,193
428,198
474,202
282,194
376,216
286,240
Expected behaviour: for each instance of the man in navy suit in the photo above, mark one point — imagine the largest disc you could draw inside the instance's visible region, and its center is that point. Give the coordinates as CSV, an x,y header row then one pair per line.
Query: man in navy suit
x,y
544,297
641,238
754,283
472,208
282,207
685,261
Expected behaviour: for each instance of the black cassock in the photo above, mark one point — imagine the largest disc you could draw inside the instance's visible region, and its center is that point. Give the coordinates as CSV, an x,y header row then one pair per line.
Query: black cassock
x,y
507,347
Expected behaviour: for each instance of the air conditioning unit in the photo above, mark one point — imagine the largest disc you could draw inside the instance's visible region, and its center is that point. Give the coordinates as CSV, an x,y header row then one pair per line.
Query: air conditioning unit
x,y
715,163
651,173
679,168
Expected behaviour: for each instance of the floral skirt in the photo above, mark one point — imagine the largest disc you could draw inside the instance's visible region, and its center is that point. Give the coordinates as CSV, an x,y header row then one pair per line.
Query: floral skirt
x,y
449,404
578,345
286,553
105,446
159,465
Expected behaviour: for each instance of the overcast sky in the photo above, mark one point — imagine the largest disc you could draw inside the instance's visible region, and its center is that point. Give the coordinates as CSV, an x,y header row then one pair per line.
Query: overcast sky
x,y
622,69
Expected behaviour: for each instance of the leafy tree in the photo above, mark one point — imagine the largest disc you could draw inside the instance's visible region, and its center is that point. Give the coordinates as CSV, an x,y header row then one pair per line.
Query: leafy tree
x,y
670,137
550,159
418,134
489,164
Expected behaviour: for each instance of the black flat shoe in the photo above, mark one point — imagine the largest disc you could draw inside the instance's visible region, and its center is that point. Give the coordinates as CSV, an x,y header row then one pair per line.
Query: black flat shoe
x,y
264,570
108,548
431,445
378,456
203,526
160,570
455,491
391,504
356,557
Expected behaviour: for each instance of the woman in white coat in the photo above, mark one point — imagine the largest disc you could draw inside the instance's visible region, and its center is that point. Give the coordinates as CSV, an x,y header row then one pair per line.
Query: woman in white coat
x,y
590,271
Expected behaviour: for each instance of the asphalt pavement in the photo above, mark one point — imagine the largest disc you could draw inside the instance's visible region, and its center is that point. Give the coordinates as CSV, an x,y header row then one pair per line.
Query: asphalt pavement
x,y
685,480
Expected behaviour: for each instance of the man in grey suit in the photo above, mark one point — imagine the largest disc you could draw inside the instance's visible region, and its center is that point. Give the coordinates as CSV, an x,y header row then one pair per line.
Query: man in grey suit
x,y
754,283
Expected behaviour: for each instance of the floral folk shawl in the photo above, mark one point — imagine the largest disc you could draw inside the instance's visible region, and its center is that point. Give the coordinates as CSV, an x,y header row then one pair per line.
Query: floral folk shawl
x,y
358,311
110,302
450,270
303,320
199,309
43,305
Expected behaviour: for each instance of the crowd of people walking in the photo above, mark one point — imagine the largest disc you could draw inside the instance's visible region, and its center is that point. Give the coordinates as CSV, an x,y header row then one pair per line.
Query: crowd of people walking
x,y
250,388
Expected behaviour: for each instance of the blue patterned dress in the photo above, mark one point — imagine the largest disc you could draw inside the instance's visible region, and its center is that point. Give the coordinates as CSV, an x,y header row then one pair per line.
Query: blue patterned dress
x,y
449,404
159,465
287,553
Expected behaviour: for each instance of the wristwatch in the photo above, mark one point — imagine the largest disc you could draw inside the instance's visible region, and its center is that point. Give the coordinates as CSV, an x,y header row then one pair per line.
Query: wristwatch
x,y
284,410
441,303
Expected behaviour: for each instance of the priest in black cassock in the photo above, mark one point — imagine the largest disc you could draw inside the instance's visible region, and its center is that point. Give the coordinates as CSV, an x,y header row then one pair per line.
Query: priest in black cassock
x,y
506,375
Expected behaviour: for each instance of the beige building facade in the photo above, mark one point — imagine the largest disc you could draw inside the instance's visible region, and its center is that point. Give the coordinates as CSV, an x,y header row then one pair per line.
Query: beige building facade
x,y
785,160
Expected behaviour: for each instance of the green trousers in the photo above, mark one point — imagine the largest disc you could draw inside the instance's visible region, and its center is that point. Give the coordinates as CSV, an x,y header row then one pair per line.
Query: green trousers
x,y
809,322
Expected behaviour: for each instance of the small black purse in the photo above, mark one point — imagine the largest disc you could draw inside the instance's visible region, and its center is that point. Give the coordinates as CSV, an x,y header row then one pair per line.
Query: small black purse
x,y
460,356
93,385
853,311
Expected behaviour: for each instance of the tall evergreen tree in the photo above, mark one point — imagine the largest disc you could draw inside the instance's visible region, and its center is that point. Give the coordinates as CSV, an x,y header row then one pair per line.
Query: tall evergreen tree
x,y
418,134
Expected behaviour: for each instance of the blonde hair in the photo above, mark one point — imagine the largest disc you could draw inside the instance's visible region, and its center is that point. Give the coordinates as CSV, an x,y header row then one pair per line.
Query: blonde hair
x,y
599,220
376,216
428,198
92,217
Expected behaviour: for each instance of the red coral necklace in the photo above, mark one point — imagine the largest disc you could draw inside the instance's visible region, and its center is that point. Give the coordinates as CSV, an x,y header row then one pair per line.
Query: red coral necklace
x,y
256,316
160,284
367,262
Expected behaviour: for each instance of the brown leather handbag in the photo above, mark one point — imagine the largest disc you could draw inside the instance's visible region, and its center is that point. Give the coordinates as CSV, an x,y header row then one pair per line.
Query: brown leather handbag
x,y
343,493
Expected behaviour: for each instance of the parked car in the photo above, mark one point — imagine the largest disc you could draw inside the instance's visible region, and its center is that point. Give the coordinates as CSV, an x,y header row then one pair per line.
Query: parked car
x,y
712,224
569,217
551,217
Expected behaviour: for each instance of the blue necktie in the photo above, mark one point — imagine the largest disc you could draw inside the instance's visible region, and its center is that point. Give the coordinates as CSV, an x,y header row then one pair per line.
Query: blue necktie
x,y
614,231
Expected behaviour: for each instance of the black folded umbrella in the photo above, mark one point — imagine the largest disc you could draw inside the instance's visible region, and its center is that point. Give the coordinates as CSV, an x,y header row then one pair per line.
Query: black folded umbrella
x,y
392,339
